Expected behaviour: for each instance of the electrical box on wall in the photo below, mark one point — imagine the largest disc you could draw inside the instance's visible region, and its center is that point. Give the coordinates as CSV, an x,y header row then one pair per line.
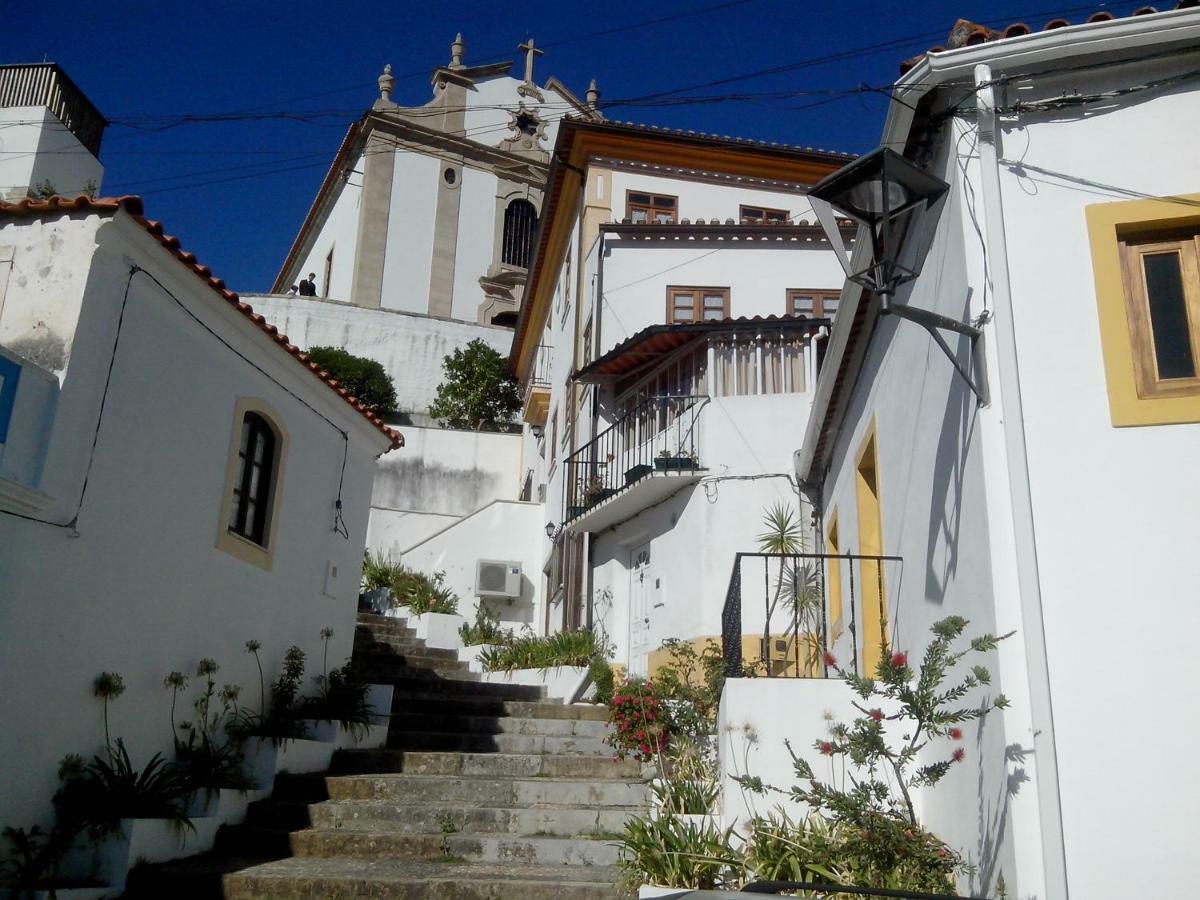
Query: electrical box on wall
x,y
331,579
498,578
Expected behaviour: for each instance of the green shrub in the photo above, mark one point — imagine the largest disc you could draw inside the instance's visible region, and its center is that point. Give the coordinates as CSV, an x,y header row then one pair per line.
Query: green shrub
x,y
688,783
364,378
476,391
565,648
378,572
486,629
669,851
423,593
603,678
341,697
282,720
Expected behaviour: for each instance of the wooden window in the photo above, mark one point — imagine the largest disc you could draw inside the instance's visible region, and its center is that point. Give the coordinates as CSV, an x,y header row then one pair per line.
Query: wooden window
x,y
657,209
520,225
697,304
1162,302
249,514
812,304
762,215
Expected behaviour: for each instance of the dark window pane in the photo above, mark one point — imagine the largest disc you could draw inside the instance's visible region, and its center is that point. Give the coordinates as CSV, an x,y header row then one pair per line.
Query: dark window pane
x,y
666,202
640,198
1168,316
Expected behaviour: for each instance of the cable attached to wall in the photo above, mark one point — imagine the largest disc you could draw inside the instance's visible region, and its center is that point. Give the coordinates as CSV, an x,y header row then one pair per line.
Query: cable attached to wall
x,y
339,523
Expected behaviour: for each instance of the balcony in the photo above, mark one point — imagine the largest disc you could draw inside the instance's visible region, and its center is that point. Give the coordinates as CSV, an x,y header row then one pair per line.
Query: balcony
x,y
536,388
775,621
642,458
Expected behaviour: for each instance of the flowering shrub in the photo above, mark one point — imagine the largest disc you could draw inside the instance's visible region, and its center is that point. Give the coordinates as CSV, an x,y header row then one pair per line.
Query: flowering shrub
x,y
640,725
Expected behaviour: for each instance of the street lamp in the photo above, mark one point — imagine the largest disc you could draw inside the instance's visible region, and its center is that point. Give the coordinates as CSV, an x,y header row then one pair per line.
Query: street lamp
x,y
551,531
899,205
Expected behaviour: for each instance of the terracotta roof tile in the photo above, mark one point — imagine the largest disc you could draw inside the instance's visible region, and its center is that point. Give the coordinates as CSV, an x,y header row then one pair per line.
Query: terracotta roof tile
x,y
746,142
969,34
133,206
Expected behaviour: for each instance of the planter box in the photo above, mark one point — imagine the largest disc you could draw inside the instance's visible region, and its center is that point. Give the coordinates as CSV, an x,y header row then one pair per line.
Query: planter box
x,y
600,496
377,601
373,737
138,841
654,890
437,630
676,463
566,683
264,760
228,805
639,471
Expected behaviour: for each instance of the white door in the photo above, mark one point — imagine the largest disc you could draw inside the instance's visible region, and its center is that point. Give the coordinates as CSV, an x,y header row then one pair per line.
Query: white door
x,y
639,609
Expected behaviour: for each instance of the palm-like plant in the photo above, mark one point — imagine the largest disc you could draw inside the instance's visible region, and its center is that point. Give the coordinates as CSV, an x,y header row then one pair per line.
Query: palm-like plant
x,y
798,584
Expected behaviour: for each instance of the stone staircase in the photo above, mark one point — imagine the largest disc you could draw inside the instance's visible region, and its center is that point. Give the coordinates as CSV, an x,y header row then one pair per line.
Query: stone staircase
x,y
483,791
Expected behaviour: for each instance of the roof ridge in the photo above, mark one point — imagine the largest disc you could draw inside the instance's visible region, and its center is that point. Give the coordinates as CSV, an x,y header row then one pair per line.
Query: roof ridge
x,y
132,205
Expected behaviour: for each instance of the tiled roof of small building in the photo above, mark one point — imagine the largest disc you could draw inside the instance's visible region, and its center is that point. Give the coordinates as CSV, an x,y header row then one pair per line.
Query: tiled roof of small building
x,y
133,206
969,34
724,138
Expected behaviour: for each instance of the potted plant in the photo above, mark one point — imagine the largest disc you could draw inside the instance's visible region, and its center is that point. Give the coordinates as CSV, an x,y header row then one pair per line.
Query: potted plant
x,y
641,470
666,461
594,491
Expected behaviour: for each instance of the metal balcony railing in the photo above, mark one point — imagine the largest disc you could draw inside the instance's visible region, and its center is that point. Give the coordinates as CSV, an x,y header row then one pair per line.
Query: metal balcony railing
x,y
788,598
539,374
659,435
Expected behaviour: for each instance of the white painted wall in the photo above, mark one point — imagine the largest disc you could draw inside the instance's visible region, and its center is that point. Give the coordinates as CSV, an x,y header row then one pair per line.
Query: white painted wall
x,y
503,530
142,590
23,448
338,233
476,233
443,475
36,147
410,347
409,250
758,275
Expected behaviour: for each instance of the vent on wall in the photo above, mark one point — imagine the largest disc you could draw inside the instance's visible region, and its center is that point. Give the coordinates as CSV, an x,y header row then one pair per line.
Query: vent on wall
x,y
498,578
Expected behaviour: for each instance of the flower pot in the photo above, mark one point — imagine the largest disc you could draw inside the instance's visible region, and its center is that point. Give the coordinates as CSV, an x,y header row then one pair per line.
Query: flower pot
x,y
657,890
574,512
641,470
675,463
264,759
599,496
109,859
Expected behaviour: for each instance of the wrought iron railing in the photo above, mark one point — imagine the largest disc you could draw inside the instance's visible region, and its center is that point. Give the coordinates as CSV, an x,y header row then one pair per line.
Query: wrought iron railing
x,y
659,435
45,84
539,373
790,630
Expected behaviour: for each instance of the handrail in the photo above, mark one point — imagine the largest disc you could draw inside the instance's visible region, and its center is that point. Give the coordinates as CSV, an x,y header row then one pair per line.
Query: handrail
x,y
660,434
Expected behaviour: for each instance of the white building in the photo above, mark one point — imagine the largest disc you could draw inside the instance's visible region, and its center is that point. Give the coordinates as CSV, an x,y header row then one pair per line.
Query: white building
x,y
667,352
1065,507
419,240
175,479
50,134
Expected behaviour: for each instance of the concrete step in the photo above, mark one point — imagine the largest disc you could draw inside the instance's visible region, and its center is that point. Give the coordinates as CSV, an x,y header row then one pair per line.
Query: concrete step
x,y
402,817
192,878
412,681
488,791
420,702
497,743
487,848
380,671
303,878
385,647
466,724
514,765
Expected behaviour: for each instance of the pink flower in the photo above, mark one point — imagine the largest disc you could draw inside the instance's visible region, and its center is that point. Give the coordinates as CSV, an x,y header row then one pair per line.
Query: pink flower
x,y
826,748
876,715
899,659
955,734
960,754
830,660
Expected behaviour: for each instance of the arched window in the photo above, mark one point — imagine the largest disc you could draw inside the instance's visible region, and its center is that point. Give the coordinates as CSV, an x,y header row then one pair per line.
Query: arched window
x,y
520,223
253,487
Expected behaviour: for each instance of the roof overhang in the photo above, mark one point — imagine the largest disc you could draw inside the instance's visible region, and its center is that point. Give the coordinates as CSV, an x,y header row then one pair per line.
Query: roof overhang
x,y
658,341
579,141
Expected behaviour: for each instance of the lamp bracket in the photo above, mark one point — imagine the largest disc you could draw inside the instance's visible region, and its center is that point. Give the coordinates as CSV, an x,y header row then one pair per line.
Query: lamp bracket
x,y
935,323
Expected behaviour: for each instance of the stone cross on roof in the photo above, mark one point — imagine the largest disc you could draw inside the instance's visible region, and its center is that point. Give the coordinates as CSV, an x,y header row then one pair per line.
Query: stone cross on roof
x,y
531,52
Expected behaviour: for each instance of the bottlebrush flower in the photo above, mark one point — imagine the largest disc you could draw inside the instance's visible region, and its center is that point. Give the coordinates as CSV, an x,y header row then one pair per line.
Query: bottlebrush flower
x,y
830,660
899,659
826,748
955,734
960,754
876,715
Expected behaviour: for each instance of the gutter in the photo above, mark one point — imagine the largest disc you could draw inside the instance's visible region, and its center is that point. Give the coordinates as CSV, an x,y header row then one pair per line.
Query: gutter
x,y
1054,864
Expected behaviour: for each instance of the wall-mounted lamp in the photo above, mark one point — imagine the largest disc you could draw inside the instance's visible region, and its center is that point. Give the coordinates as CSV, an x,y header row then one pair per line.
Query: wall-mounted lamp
x,y
552,530
899,205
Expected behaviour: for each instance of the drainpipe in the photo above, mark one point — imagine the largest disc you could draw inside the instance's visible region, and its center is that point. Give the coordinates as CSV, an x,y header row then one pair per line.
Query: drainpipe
x,y
1020,496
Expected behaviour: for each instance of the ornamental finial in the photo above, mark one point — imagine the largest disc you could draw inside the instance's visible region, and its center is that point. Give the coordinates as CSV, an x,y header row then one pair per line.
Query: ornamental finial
x,y
386,83
456,52
593,95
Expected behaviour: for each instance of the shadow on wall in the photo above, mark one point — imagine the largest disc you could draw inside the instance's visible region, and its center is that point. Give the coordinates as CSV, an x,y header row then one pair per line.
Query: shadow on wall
x,y
425,485
993,817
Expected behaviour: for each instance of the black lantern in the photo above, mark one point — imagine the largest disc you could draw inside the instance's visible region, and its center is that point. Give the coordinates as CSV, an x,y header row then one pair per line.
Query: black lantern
x,y
551,531
896,201
899,205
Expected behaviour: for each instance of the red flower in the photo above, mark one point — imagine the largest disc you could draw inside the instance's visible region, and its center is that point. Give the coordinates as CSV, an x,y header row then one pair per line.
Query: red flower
x,y
899,659
955,734
876,715
826,748
830,660
960,754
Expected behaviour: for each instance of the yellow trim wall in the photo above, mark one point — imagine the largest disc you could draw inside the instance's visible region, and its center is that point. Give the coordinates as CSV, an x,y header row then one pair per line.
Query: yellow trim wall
x,y
870,543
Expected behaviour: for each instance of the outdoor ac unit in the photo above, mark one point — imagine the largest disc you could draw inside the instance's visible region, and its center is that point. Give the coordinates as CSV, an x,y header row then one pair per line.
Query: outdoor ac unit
x,y
498,578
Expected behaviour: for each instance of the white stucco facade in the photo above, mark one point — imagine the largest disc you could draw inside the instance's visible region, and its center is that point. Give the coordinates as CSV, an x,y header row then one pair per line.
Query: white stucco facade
x,y
36,149
1009,515
134,576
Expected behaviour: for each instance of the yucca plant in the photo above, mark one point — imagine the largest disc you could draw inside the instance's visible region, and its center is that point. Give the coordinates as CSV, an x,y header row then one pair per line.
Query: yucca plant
x,y
779,849
378,571
688,783
564,648
672,852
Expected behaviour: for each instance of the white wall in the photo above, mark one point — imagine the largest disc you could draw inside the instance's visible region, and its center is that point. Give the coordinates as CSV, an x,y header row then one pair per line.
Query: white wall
x,y
503,530
442,475
339,232
143,590
705,199
410,347
758,275
36,147
409,250
476,232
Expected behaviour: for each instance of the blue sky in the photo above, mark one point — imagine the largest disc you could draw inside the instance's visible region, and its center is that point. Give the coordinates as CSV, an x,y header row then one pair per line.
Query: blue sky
x,y
235,192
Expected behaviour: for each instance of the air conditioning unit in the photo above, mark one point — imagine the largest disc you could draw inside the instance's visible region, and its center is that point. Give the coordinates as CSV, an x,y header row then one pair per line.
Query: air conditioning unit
x,y
498,578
